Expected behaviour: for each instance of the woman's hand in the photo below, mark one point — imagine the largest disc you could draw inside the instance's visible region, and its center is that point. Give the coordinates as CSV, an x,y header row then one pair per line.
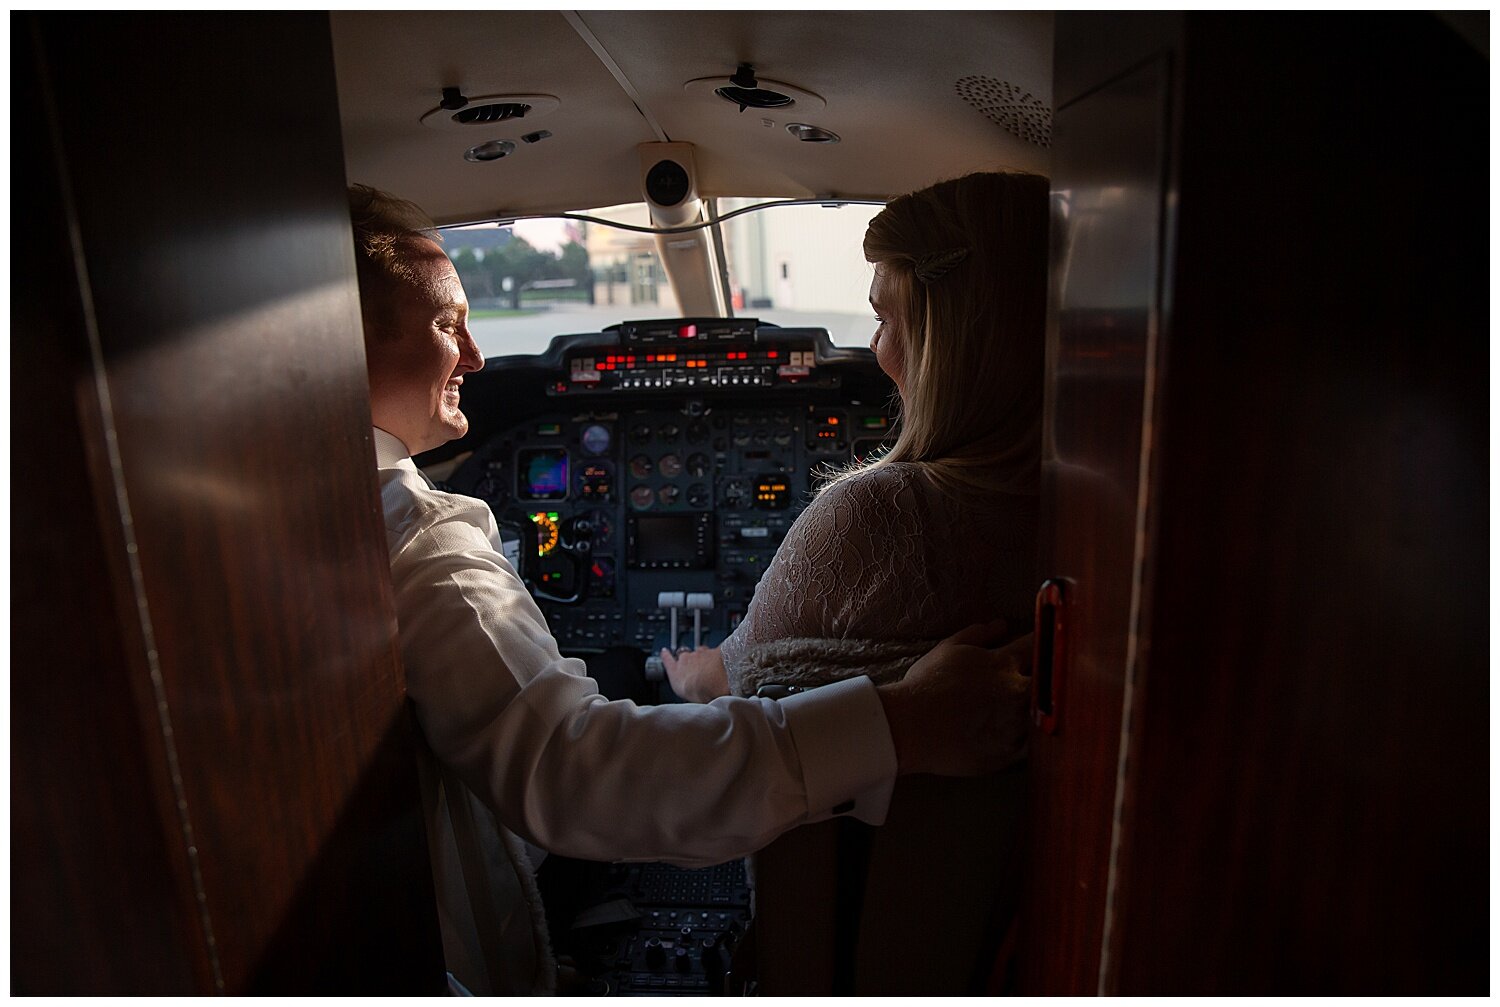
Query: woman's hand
x,y
698,676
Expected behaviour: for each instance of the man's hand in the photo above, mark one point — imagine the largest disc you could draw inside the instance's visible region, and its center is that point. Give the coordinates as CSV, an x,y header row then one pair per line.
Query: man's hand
x,y
698,676
962,709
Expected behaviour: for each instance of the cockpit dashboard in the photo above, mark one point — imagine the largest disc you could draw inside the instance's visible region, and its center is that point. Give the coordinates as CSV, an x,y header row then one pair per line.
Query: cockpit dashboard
x,y
644,476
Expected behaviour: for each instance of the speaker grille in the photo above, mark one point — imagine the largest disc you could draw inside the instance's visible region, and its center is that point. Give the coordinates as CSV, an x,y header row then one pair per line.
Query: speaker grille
x,y
1016,110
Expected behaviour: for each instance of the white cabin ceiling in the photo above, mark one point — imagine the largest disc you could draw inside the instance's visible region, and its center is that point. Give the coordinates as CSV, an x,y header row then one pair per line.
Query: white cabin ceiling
x,y
889,81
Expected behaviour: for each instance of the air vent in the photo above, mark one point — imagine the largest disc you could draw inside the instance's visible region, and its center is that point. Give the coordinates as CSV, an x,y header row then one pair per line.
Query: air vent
x,y
489,110
479,115
753,97
1016,110
788,97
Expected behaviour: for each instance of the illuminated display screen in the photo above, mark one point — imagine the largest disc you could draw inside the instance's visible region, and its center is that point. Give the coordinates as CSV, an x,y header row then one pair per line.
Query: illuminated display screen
x,y
666,539
772,492
543,474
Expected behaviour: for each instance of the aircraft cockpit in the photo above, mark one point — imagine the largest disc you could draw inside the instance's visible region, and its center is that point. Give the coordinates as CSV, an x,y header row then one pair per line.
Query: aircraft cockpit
x,y
644,476
1256,719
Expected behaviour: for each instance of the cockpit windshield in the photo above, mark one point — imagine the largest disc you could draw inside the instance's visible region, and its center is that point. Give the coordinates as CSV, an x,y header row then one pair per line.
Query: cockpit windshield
x,y
794,265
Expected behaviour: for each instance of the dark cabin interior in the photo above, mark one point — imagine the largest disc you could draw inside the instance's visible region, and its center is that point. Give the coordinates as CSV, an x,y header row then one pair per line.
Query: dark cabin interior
x,y
1265,519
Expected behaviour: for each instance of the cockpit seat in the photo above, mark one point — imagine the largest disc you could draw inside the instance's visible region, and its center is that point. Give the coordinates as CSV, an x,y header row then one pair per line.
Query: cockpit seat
x,y
920,905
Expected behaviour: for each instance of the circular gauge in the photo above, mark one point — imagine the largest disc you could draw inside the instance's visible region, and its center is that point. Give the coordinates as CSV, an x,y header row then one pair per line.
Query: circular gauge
x,y
762,438
640,433
783,438
668,431
668,495
604,528
641,498
736,493
697,495
741,437
697,465
697,432
669,466
641,466
595,439
546,532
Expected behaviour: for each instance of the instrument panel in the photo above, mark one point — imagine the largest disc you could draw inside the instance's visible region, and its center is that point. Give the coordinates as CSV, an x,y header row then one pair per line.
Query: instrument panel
x,y
643,516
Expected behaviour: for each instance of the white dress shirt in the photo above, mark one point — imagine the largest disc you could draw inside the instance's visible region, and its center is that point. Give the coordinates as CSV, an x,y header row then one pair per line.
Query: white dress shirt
x,y
526,731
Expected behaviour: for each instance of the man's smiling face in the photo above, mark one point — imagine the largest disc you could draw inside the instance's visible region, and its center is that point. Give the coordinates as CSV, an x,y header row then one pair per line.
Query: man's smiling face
x,y
421,351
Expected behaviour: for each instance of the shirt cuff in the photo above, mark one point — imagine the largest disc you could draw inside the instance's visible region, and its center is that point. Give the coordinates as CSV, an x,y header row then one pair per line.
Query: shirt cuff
x,y
844,744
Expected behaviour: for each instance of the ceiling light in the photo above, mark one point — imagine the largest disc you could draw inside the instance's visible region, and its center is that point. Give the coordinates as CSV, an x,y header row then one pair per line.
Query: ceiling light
x,y
490,150
811,134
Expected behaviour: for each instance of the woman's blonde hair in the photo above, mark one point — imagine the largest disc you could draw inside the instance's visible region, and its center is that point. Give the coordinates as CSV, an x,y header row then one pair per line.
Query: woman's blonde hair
x,y
965,268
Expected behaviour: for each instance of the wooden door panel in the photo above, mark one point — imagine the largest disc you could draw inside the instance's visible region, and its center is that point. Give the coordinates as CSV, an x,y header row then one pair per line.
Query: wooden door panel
x,y
1310,787
1301,796
219,369
1101,341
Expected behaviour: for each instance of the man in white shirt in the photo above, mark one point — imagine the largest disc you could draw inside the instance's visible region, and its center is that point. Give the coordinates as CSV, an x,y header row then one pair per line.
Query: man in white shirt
x,y
525,744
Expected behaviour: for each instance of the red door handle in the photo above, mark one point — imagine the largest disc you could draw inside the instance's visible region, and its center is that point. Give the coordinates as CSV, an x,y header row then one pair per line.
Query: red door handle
x,y
1049,658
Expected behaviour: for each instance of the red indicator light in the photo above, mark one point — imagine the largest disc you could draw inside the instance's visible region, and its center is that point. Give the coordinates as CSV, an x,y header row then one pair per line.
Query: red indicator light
x,y
600,367
771,354
687,332
833,421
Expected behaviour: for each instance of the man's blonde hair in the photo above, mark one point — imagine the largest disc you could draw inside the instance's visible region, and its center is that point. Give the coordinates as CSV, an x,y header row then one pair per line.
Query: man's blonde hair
x,y
965,265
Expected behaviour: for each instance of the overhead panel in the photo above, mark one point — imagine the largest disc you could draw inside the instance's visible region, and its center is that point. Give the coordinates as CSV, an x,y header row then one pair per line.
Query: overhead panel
x,y
887,85
392,68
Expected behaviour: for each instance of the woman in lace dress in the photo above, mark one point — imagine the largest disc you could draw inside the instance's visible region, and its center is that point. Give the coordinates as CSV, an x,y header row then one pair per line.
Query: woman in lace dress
x,y
940,532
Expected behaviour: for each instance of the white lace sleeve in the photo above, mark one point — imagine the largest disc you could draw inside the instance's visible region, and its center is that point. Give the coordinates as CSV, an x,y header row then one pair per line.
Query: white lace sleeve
x,y
853,565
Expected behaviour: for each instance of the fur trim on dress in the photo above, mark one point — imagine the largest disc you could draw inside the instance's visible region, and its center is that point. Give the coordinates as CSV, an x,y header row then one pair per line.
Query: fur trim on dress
x,y
812,661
